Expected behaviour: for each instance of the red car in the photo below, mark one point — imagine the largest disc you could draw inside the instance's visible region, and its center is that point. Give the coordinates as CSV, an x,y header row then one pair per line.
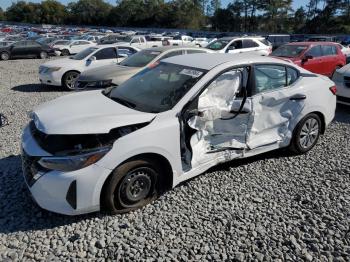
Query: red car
x,y
318,57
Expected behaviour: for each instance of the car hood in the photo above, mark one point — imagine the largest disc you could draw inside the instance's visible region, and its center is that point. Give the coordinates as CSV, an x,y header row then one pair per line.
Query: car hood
x,y
61,62
108,72
88,112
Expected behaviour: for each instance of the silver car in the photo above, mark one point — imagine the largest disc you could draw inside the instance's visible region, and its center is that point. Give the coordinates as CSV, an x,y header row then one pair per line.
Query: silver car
x,y
105,76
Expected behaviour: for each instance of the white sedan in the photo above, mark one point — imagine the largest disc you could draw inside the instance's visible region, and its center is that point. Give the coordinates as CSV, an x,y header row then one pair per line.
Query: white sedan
x,y
119,148
341,78
65,71
236,45
71,47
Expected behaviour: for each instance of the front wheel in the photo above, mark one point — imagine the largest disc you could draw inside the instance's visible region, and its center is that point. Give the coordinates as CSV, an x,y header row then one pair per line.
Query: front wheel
x,y
306,134
69,79
4,56
131,186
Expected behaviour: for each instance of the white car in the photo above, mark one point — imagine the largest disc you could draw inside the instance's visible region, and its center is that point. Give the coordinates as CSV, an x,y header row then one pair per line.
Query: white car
x,y
341,78
65,71
201,41
235,45
71,47
117,149
345,49
181,40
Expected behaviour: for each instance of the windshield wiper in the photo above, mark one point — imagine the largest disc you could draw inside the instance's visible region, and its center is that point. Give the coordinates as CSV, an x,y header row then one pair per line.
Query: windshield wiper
x,y
123,102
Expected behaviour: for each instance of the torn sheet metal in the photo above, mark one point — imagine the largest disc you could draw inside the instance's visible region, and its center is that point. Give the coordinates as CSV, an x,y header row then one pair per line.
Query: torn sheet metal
x,y
213,132
271,118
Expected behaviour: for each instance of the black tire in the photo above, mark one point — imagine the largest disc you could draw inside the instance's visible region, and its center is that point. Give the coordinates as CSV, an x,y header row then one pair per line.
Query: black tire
x,y
118,194
5,56
306,134
65,52
43,55
69,78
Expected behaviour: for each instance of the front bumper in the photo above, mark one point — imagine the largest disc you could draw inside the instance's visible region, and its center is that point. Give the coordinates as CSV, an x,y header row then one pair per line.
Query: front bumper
x,y
69,193
53,78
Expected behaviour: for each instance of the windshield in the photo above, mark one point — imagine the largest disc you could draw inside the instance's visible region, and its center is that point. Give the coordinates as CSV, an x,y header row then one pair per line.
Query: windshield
x,y
289,50
156,89
218,44
140,59
82,54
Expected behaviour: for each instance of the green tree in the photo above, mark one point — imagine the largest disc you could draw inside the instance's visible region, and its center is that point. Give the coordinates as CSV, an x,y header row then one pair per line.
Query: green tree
x,y
24,12
53,12
2,15
88,12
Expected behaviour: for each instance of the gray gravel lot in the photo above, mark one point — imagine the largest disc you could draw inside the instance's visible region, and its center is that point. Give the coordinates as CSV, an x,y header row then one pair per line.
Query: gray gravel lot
x,y
270,207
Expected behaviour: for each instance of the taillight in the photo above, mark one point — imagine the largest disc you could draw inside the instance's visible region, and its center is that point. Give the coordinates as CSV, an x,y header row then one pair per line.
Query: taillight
x,y
333,90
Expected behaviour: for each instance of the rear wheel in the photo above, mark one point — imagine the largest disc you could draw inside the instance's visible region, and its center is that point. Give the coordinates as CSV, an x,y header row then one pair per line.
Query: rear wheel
x,y
306,134
131,186
4,56
69,79
43,55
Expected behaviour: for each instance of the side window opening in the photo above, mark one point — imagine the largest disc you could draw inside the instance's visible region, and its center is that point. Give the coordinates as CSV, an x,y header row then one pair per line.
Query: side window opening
x,y
237,44
315,51
292,75
248,43
106,53
269,77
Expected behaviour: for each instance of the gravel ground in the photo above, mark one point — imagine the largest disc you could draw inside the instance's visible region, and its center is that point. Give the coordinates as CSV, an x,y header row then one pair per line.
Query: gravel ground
x,y
271,207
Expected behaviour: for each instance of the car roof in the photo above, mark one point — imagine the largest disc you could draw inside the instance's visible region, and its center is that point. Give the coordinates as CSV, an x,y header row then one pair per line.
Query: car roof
x,y
166,48
211,60
312,43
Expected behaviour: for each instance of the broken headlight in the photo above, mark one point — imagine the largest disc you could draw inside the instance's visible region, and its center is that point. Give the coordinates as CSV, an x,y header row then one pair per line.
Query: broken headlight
x,y
74,162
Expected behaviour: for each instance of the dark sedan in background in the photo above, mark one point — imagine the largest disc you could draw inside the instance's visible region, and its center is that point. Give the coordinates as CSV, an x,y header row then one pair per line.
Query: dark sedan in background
x,y
26,48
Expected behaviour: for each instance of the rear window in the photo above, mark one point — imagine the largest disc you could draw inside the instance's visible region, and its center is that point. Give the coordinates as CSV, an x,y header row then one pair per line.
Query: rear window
x,y
264,41
329,50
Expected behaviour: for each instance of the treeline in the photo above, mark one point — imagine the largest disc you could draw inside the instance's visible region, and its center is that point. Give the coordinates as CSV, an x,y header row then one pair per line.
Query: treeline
x,y
273,16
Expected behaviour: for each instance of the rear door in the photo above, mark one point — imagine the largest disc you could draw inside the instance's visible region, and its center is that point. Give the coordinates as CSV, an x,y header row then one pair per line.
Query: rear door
x,y
330,59
315,62
276,100
250,45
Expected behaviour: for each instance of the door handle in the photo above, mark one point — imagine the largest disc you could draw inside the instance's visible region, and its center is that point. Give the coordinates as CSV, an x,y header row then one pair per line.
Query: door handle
x,y
298,97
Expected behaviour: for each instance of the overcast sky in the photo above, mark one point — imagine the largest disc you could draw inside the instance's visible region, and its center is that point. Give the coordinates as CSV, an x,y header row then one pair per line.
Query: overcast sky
x,y
6,3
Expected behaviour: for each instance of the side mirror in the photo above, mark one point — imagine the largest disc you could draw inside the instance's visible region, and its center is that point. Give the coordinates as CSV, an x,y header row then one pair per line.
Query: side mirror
x,y
230,48
92,58
306,58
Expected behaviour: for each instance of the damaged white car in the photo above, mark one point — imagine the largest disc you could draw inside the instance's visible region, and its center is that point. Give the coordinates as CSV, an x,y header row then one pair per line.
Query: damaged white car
x,y
122,147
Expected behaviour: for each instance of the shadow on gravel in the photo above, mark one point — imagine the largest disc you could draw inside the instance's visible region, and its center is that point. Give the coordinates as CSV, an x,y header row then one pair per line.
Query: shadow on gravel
x,y
342,114
37,88
18,212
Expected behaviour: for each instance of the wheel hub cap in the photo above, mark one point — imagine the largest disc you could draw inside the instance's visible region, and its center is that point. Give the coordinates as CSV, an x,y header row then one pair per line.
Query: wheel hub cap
x,y
309,133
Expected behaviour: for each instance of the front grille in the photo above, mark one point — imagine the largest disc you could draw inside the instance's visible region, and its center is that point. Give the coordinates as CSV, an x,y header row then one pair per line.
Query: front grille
x,y
30,167
343,99
347,81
